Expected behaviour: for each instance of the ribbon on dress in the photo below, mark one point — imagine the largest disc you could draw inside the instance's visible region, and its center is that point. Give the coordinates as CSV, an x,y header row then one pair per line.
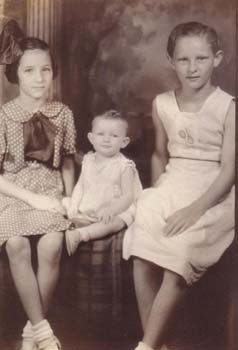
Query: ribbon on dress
x,y
10,38
39,139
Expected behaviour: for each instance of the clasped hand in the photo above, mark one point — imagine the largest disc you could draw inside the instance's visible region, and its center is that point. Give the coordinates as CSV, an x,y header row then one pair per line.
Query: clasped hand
x,y
70,206
181,220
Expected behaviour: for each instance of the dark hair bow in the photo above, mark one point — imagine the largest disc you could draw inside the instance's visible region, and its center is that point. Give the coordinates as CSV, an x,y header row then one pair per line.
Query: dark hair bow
x,y
9,42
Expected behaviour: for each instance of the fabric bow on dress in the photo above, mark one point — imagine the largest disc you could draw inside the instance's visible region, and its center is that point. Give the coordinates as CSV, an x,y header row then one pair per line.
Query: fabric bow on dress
x,y
39,136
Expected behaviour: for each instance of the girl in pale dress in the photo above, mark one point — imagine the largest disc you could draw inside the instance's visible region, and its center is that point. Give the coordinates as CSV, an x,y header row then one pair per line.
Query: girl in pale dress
x,y
37,143
185,222
102,200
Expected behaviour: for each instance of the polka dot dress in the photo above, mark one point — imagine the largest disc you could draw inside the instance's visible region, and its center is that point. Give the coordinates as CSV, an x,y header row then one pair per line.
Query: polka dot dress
x,y
17,218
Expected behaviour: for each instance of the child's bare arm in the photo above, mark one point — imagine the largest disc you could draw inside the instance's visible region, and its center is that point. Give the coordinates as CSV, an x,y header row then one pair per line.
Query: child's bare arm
x,y
75,199
225,180
68,174
37,201
160,156
186,217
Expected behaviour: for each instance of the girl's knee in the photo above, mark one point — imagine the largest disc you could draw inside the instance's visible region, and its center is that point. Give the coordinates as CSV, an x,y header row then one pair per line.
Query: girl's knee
x,y
18,248
50,247
143,266
173,279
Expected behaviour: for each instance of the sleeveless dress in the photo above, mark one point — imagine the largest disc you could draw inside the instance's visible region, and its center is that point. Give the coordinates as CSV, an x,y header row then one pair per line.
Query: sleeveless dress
x,y
100,184
38,171
194,145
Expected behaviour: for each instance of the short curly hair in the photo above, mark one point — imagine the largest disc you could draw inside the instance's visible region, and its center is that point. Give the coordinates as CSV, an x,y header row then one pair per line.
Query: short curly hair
x,y
29,43
112,114
191,29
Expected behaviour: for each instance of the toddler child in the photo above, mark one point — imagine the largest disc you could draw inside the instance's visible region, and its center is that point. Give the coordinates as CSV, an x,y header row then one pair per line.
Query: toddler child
x,y
102,200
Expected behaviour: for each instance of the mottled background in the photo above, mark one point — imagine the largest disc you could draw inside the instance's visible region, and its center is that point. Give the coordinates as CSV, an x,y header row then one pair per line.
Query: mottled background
x,y
114,53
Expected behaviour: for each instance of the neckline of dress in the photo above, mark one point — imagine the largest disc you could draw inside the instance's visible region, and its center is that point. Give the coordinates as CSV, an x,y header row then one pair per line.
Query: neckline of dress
x,y
109,161
42,109
22,115
214,92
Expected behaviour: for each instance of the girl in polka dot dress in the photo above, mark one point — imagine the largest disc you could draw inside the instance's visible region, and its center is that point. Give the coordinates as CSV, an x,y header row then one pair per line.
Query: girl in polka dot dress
x,y
185,222
37,142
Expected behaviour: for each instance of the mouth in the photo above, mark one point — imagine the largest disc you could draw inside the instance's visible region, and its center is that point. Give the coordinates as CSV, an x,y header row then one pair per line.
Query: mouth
x,y
193,77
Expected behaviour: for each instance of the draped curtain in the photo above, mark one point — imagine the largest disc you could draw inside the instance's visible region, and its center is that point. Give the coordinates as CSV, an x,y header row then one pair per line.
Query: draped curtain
x,y
44,21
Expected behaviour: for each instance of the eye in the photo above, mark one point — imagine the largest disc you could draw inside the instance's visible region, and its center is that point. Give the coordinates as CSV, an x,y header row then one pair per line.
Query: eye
x,y
182,59
28,70
115,136
202,58
47,69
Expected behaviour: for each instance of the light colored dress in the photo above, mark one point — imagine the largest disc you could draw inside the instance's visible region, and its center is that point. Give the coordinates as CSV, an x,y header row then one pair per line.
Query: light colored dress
x,y
194,145
100,184
17,218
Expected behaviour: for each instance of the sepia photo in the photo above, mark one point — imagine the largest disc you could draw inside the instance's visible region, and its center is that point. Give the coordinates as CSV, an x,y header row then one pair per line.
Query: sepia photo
x,y
117,175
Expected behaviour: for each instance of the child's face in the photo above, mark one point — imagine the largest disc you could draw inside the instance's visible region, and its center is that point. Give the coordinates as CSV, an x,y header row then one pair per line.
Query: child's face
x,y
35,74
108,136
194,61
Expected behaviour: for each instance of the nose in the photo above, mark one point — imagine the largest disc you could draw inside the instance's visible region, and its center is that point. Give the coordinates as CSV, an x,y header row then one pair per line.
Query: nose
x,y
38,75
106,138
192,67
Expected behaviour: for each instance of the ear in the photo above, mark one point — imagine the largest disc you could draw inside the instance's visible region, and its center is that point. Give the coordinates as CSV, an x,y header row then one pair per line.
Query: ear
x,y
218,58
171,61
90,137
126,141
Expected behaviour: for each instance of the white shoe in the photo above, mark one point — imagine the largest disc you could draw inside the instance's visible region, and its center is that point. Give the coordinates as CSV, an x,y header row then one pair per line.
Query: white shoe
x,y
51,344
28,344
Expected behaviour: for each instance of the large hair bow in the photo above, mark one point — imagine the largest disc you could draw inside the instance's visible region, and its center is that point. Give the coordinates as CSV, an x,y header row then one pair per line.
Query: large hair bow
x,y
9,42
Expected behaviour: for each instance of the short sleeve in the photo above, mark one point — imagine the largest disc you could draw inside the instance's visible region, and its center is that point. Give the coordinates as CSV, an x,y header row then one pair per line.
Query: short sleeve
x,y
2,140
69,140
128,163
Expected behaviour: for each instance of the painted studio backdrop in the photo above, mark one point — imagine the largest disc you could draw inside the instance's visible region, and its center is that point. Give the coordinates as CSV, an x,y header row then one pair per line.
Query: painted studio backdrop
x,y
112,54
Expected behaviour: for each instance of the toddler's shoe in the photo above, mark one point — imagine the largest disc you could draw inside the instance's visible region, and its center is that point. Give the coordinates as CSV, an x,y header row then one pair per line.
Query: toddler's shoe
x,y
72,238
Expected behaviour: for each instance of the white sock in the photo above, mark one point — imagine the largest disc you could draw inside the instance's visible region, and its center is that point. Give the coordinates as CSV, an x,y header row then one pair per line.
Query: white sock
x,y
42,331
27,333
143,346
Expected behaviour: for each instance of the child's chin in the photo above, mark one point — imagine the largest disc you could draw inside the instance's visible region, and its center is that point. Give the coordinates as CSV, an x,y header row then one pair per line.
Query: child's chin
x,y
109,154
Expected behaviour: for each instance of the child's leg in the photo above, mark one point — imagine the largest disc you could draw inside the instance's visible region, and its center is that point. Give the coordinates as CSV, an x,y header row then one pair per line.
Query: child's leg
x,y
172,290
93,231
49,251
19,254
147,280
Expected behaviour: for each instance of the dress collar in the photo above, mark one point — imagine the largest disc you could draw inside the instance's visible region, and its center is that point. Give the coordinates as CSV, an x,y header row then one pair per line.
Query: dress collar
x,y
17,113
